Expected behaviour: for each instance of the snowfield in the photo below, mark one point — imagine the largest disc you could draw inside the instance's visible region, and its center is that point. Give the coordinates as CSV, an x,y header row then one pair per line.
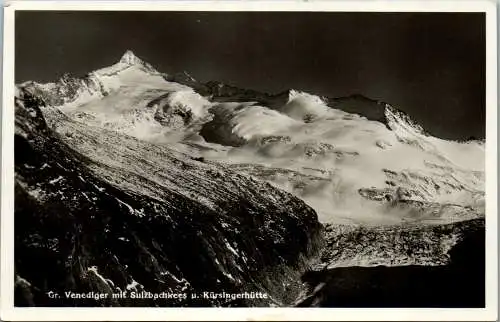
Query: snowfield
x,y
354,170
255,190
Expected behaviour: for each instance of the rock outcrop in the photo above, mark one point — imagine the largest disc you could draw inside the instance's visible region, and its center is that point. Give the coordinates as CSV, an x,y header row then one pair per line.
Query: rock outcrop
x,y
458,280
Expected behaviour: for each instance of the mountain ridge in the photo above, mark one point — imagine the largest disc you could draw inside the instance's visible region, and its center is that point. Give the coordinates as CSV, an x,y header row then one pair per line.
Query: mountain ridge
x,y
130,99
219,91
253,188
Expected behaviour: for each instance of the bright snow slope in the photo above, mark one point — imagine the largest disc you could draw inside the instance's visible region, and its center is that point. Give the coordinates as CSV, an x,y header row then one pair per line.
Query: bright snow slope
x,y
348,168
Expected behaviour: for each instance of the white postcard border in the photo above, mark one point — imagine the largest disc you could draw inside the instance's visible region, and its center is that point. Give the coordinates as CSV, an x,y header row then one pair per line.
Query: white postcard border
x,y
9,312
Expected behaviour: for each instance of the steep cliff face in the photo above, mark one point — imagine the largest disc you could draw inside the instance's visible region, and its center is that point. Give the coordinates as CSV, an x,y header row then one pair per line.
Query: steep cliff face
x,y
89,223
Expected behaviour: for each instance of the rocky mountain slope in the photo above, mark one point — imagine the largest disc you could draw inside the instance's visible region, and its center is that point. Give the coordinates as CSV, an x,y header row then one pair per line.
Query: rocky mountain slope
x,y
211,165
95,213
421,275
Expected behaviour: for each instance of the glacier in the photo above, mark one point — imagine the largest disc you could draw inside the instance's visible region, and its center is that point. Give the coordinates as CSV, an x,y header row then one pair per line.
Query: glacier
x,y
375,174
362,167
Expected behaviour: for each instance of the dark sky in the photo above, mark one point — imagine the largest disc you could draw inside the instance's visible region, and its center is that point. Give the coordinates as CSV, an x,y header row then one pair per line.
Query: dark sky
x,y
431,65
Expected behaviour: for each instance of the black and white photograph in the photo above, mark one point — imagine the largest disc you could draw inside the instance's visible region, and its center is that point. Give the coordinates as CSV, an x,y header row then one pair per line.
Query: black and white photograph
x,y
250,158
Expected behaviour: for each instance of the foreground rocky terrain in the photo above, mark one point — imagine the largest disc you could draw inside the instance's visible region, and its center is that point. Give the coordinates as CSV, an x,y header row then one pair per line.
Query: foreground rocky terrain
x,y
86,226
131,180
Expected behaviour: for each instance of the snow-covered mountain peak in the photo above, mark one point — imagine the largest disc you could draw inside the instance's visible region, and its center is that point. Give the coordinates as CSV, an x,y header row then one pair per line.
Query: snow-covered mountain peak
x,y
71,91
128,61
130,58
